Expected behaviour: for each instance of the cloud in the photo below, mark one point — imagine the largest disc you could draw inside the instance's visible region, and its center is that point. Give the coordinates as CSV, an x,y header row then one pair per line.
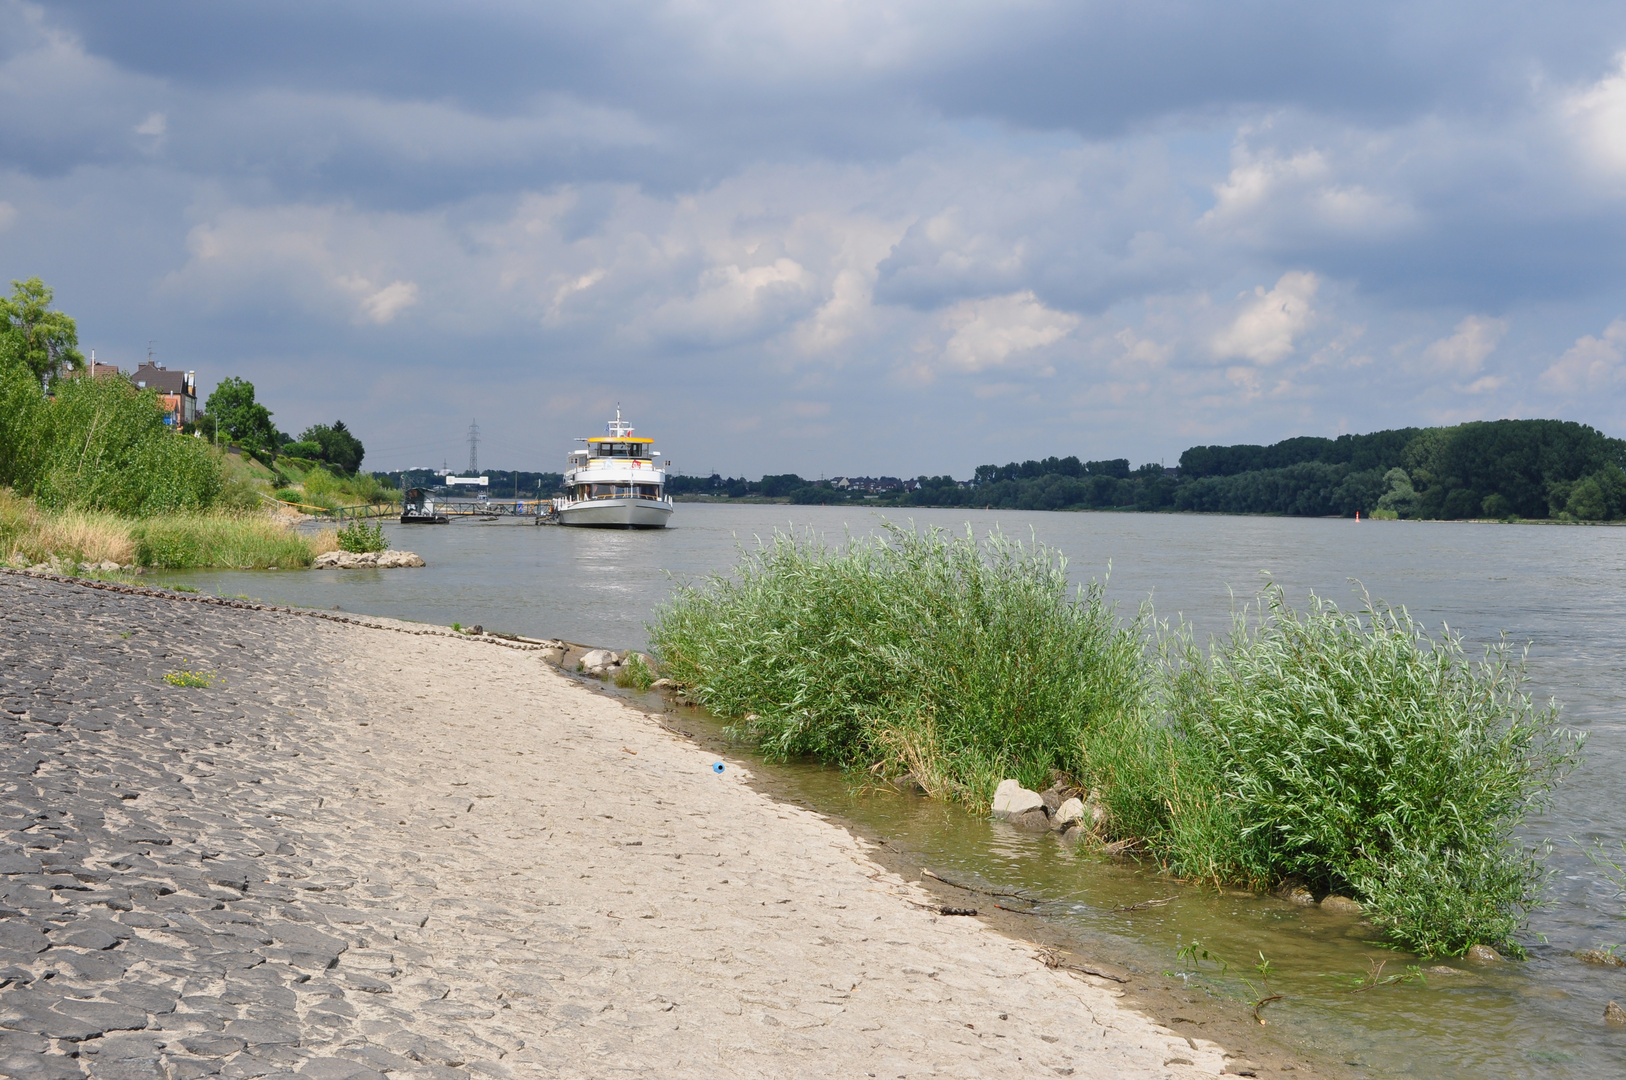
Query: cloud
x,y
1592,364
995,331
1597,116
1269,198
391,300
8,214
1464,352
156,124
1264,331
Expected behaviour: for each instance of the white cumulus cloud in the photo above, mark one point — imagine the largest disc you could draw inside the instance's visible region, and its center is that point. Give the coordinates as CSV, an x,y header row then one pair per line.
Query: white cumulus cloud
x,y
1268,323
1592,363
1598,118
390,301
156,124
1464,352
993,331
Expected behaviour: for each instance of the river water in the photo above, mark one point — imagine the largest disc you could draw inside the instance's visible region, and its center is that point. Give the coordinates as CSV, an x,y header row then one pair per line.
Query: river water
x,y
1562,589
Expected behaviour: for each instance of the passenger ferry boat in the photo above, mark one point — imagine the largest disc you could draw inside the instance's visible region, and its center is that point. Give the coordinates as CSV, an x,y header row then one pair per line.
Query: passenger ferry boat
x,y
614,483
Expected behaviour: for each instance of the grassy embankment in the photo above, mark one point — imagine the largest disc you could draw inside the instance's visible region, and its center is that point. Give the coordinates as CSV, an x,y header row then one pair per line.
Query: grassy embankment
x,y
92,475
1352,753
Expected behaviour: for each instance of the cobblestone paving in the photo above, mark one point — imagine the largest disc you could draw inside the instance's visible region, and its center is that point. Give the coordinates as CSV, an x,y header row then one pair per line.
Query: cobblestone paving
x,y
360,853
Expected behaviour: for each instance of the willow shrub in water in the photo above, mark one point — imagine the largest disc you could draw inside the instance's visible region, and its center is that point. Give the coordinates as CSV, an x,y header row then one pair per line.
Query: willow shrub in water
x,y
962,663
1360,754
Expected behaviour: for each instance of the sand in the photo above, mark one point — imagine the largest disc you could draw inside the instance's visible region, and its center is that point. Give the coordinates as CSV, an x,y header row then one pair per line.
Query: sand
x,y
519,874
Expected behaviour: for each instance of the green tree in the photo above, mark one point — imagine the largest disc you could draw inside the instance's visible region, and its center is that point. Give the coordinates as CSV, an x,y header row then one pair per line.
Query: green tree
x,y
339,447
1401,496
44,341
233,410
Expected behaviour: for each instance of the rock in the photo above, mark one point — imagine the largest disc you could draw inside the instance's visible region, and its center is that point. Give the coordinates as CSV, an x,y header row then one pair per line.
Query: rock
x,y
1293,891
1033,819
1053,798
1484,954
1614,1014
365,560
1011,799
1599,956
107,566
1068,813
1340,905
596,661
553,656
908,784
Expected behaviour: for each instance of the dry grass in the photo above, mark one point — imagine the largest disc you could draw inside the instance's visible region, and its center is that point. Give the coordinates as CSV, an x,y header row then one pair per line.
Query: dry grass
x,y
323,542
82,536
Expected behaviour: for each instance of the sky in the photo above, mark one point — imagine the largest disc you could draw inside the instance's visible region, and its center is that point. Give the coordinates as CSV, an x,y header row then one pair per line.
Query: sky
x,y
831,238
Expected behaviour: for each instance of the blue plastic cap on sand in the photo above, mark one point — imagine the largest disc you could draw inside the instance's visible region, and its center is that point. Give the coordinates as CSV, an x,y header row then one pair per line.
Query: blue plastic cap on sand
x,y
717,768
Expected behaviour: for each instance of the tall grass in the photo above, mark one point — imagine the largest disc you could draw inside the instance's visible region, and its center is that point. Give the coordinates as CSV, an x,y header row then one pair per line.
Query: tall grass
x,y
960,663
1351,752
223,539
81,536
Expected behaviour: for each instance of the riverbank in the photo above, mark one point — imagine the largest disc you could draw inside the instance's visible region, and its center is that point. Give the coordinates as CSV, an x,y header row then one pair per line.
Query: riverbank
x,y
334,851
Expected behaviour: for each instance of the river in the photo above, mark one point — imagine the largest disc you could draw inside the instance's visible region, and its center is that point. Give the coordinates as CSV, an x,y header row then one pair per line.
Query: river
x,y
1561,589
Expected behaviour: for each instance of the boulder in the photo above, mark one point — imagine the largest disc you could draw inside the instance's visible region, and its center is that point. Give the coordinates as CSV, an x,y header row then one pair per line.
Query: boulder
x,y
1484,954
1614,1014
388,560
1068,813
663,684
1011,799
1340,905
553,656
1053,798
1599,956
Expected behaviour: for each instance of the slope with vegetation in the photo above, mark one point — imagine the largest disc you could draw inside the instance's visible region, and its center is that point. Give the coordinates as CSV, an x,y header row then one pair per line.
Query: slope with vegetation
x,y
90,473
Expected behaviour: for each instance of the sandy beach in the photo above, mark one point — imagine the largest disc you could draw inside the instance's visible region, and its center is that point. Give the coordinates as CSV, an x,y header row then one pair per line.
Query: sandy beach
x,y
369,850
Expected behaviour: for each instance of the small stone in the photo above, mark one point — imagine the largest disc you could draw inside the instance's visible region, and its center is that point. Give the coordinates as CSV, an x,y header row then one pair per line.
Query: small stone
x,y
1484,954
1614,1014
1012,799
1340,905
1598,956
1068,813
663,684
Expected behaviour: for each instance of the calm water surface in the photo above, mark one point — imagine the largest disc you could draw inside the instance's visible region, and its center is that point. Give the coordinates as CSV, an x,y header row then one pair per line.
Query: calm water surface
x,y
1561,589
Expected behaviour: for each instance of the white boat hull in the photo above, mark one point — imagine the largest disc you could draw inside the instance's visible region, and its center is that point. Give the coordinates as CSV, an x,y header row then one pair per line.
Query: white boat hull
x,y
617,513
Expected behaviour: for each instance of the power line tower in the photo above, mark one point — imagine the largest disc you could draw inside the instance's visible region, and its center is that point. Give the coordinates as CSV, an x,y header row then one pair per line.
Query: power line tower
x,y
474,448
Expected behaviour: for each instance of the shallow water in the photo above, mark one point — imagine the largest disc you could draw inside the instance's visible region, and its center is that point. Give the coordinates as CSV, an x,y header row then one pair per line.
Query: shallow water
x,y
1561,589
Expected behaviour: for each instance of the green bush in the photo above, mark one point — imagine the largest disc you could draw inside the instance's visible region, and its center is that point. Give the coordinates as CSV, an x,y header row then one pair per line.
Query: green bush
x,y
359,537
961,663
634,674
1360,754
101,444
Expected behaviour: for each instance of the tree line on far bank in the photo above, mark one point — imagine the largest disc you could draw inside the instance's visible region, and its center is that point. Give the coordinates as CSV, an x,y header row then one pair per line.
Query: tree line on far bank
x,y
1498,469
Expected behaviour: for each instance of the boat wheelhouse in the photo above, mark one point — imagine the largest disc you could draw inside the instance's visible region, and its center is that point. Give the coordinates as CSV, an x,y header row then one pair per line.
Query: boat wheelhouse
x,y
614,482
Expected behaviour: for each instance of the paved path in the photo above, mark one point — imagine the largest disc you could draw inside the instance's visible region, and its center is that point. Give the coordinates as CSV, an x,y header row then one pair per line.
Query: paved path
x,y
336,862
